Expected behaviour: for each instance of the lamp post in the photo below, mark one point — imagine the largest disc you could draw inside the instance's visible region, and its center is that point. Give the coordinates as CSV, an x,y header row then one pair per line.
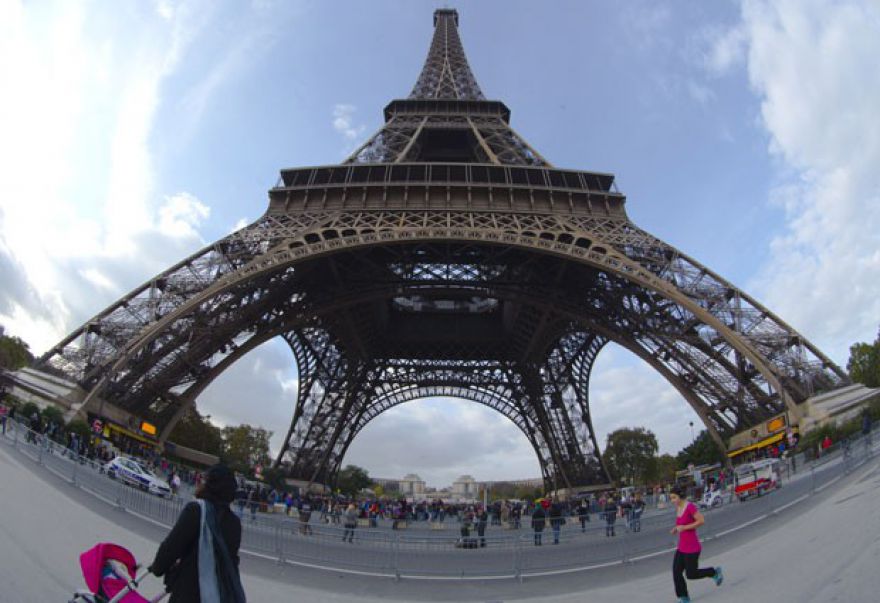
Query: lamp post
x,y
693,439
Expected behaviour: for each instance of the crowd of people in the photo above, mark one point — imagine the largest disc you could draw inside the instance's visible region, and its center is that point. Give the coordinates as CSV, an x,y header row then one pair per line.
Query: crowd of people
x,y
473,520
97,448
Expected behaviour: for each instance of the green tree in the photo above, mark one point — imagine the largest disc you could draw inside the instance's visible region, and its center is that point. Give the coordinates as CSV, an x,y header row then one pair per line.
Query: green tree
x,y
197,432
54,414
864,363
352,479
27,410
629,453
246,447
703,451
662,469
14,352
528,493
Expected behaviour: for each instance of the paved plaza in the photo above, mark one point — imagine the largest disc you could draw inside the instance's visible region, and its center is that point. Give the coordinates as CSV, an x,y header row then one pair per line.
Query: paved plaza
x,y
822,549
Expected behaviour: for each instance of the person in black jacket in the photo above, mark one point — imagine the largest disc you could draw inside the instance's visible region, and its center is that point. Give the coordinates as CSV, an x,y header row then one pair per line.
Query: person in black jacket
x,y
556,520
610,515
482,521
177,557
539,520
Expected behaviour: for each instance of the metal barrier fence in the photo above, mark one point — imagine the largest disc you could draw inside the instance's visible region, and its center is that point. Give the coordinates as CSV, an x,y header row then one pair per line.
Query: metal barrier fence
x,y
419,549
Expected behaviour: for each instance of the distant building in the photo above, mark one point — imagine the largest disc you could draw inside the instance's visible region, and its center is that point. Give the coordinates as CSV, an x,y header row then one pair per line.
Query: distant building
x,y
412,486
465,488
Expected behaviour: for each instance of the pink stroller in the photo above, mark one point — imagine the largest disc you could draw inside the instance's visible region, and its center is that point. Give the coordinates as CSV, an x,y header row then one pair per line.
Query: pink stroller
x,y
110,573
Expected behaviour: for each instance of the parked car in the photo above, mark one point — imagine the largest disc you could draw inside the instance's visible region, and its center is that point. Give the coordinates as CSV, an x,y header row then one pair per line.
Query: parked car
x,y
131,472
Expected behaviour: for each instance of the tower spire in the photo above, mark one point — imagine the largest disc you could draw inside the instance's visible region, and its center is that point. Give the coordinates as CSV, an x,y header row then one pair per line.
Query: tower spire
x,y
446,73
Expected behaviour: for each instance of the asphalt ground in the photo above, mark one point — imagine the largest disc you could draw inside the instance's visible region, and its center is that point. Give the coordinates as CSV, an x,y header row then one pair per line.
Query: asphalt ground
x,y
419,552
818,547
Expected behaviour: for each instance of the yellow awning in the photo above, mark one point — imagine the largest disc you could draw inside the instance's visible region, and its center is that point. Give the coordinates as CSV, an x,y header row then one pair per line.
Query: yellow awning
x,y
131,434
765,442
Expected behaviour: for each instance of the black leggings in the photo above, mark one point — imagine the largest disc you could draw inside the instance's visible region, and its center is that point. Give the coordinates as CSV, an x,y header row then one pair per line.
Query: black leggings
x,y
687,564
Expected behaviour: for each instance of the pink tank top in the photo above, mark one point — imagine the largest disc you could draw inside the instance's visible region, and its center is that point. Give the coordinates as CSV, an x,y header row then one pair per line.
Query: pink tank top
x,y
687,540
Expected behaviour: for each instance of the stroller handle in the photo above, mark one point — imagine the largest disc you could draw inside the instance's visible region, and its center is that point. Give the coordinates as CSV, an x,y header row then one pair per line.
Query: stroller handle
x,y
132,585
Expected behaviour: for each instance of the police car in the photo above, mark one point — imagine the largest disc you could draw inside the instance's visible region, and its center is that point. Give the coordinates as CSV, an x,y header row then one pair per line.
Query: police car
x,y
130,472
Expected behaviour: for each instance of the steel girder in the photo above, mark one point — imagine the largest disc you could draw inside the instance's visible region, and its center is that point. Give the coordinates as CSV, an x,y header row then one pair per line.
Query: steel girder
x,y
446,73
728,389
191,298
493,140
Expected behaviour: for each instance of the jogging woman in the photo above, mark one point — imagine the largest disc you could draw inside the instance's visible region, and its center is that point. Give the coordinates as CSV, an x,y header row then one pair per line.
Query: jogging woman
x,y
687,557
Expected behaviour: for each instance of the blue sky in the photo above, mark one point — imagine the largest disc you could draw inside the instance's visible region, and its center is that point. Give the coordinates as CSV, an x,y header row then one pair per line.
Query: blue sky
x,y
743,133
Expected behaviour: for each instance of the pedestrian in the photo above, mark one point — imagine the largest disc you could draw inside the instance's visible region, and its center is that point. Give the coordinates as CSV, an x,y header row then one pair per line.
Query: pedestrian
x,y
174,482
556,520
467,522
539,520
610,511
626,509
240,498
253,501
199,557
3,414
638,507
351,521
505,515
305,514
687,555
482,520
583,513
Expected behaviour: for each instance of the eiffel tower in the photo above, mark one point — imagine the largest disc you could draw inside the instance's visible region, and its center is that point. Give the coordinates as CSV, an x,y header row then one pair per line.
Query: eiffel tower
x,y
444,257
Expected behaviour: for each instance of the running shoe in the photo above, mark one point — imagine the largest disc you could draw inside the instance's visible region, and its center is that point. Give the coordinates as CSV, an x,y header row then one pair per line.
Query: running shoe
x,y
718,577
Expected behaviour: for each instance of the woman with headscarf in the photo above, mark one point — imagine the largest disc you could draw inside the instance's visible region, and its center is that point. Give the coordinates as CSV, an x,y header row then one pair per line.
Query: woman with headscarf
x,y
199,557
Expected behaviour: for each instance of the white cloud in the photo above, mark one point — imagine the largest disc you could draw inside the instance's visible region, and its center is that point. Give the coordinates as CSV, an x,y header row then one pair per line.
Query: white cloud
x,y
700,93
165,9
814,66
441,439
343,121
78,199
239,224
647,25
726,50
180,216
626,392
97,278
258,389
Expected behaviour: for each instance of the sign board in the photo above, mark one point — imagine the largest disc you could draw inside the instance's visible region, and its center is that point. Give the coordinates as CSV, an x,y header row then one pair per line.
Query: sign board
x,y
776,424
759,432
148,428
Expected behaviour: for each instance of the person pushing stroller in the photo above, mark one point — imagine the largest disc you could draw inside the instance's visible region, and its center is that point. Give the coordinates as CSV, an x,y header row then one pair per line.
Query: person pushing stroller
x,y
199,557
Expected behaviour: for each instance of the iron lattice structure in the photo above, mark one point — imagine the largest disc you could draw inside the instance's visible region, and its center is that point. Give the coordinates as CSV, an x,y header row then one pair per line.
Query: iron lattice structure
x,y
444,257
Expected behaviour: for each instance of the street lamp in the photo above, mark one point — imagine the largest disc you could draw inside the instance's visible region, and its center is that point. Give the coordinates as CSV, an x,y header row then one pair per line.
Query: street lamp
x,y
693,439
